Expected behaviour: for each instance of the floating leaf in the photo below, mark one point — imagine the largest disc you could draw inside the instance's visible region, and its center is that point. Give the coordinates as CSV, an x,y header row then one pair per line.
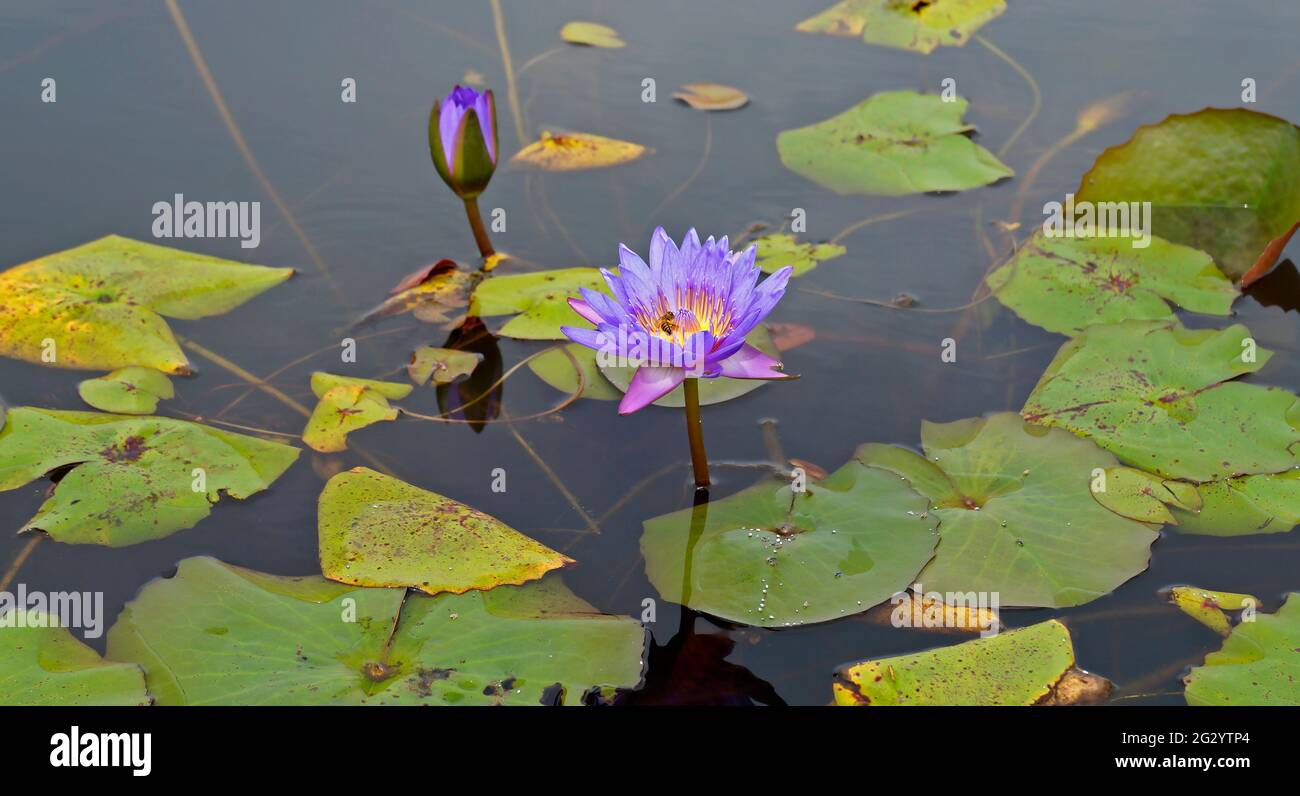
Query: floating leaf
x,y
928,611
1030,666
1157,396
712,97
378,531
1210,607
347,404
443,365
1066,284
1259,664
132,478
786,336
539,301
435,293
576,151
42,663
129,391
918,25
591,34
712,391
1226,181
1144,497
101,303
562,367
1247,505
891,144
779,250
215,634
1015,514
772,557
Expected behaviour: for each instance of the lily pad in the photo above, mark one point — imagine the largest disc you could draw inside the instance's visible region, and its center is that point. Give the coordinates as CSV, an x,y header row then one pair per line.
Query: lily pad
x,y
1247,505
435,294
1144,497
712,97
781,249
539,301
1211,608
347,404
1066,284
99,306
443,365
917,25
772,557
557,369
130,479
1158,397
1030,666
1226,181
891,144
378,531
1015,514
46,665
712,391
591,34
1259,663
129,391
570,151
215,634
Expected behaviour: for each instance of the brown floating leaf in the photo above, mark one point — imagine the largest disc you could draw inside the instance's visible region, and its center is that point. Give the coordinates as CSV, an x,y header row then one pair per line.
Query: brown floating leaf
x,y
1268,258
712,97
436,293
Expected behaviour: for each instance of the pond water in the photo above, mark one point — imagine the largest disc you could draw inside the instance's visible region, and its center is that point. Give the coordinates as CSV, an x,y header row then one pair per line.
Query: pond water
x,y
134,125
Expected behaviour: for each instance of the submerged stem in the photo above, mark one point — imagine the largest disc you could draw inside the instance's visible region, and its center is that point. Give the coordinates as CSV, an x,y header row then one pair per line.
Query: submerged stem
x,y
695,432
476,224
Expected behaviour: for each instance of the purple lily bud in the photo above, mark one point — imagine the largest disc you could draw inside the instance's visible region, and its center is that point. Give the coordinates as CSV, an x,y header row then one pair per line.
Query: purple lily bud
x,y
463,140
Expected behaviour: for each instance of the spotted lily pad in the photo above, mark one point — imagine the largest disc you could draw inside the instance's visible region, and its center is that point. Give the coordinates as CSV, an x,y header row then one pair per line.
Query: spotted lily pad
x,y
347,404
781,249
918,25
1211,608
1015,514
378,531
216,634
42,663
538,301
712,391
1144,497
563,367
891,144
130,479
576,152
1226,181
591,34
129,391
1259,663
1246,505
442,365
1066,284
772,557
1030,666
99,306
1158,397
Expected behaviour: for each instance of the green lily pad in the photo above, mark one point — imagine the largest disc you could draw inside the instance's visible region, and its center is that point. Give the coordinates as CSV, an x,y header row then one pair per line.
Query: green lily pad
x,y
129,391
101,304
1030,666
1226,181
891,144
1157,396
443,365
1144,497
131,479
378,531
1259,663
215,634
772,557
712,391
1066,284
591,34
557,369
1015,514
917,25
43,665
779,250
539,301
1247,505
347,404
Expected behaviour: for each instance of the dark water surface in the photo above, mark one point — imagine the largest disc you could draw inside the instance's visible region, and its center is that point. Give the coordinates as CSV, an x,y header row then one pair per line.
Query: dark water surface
x,y
134,125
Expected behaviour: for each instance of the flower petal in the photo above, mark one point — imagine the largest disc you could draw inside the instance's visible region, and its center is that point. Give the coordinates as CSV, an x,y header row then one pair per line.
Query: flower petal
x,y
649,385
750,363
595,339
584,309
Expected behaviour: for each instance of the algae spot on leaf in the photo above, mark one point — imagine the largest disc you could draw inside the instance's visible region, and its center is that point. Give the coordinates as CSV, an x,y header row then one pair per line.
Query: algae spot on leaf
x,y
917,25
102,303
711,96
128,391
378,531
781,249
1258,664
591,34
42,663
1030,666
442,365
132,479
347,404
538,301
569,151
891,144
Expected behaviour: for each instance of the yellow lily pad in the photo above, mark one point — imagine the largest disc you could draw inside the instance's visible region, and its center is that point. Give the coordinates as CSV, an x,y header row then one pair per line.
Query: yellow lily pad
x,y
712,97
577,152
591,34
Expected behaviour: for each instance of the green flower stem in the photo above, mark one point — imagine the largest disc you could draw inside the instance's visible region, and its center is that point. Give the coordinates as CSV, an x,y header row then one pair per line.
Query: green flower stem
x,y
476,224
695,431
